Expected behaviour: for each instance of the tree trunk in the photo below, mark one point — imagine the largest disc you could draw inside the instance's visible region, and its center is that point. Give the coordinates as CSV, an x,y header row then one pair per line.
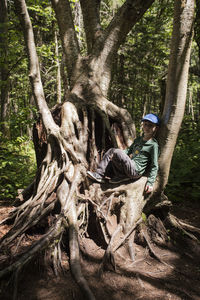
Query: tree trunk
x,y
4,77
197,26
58,77
176,89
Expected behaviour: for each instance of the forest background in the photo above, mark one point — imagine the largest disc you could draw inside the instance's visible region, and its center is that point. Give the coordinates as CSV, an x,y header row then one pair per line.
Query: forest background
x,y
141,62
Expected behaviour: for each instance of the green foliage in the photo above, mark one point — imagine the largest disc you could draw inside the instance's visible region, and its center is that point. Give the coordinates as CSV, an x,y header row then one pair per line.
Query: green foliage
x,y
185,172
17,166
21,119
142,62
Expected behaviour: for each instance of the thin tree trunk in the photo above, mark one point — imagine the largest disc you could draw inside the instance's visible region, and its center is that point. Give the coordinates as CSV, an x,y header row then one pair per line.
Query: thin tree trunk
x,y
58,78
176,89
4,69
197,26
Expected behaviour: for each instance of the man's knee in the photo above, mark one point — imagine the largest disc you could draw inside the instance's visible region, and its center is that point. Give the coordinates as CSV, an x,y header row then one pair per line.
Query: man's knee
x,y
118,154
110,151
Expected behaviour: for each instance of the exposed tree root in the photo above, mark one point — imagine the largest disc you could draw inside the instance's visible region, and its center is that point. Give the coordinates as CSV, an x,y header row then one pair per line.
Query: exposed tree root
x,y
182,226
75,264
127,235
40,245
108,258
62,191
152,248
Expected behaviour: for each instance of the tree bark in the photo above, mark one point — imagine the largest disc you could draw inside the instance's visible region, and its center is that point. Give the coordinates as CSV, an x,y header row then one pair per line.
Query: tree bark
x,y
4,72
176,89
68,36
197,26
58,77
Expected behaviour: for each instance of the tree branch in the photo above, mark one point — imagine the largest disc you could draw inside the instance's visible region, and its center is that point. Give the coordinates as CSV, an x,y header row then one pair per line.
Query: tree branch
x,y
34,71
108,43
91,19
68,35
126,17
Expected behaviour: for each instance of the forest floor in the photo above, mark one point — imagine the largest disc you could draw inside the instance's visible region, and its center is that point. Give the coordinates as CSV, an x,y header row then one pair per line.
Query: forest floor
x,y
176,276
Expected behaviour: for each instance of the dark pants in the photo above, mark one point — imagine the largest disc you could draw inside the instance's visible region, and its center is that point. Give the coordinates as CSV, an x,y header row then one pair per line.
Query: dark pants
x,y
120,162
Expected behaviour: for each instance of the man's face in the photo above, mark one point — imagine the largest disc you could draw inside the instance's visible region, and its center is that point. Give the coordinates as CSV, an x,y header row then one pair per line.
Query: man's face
x,y
149,127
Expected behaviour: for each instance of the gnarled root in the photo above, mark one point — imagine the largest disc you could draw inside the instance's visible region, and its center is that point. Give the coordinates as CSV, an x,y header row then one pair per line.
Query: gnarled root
x,y
40,245
118,216
75,264
184,228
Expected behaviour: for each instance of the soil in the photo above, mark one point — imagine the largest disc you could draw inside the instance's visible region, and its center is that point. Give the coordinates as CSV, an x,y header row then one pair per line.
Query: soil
x,y
173,273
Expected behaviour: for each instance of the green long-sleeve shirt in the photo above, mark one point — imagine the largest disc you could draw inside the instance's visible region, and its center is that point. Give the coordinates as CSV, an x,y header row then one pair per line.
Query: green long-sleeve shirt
x,y
145,156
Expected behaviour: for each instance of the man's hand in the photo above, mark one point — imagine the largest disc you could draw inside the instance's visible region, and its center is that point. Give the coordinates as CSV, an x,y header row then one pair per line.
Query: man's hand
x,y
148,188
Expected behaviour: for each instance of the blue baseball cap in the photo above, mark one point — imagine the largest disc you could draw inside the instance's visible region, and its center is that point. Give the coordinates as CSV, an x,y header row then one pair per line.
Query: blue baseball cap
x,y
151,118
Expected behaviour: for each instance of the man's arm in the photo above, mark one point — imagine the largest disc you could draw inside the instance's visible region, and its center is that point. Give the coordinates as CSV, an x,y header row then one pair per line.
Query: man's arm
x,y
153,169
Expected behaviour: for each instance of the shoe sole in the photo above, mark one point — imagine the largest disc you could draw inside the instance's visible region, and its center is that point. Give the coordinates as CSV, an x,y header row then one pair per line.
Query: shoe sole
x,y
93,178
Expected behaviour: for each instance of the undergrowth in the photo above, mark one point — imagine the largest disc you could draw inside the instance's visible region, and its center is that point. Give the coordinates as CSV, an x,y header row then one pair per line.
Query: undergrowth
x,y
184,179
17,166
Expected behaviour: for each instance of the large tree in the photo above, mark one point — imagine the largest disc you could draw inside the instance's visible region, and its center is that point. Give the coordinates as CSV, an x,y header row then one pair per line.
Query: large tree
x,y
73,136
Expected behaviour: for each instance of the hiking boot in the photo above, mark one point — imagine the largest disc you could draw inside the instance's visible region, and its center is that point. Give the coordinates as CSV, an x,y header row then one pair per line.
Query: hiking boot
x,y
95,176
119,179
